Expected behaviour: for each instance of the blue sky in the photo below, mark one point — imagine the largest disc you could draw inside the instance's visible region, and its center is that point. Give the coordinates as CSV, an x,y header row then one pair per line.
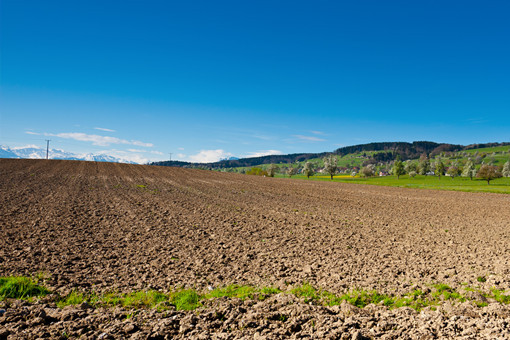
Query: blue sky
x,y
205,80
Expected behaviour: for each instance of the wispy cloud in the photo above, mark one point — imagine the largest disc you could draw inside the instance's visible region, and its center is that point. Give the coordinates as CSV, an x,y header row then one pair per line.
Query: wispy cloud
x,y
309,138
263,137
208,156
318,133
104,129
98,140
263,153
32,133
153,152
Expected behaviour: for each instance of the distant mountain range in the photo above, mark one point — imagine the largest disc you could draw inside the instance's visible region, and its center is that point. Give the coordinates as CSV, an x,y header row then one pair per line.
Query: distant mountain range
x,y
39,153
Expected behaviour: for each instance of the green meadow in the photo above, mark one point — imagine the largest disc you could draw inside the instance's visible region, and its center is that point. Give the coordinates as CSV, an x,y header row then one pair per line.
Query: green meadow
x,y
500,185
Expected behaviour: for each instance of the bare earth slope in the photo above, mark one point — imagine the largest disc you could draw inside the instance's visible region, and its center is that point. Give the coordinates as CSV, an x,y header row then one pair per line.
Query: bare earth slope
x,y
106,226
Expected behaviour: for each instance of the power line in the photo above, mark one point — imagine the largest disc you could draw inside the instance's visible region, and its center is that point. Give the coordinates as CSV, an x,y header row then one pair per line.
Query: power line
x,y
47,147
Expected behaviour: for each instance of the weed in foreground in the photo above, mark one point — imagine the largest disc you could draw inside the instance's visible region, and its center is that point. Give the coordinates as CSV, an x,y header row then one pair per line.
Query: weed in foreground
x,y
306,291
187,299
447,293
74,298
20,287
481,279
500,296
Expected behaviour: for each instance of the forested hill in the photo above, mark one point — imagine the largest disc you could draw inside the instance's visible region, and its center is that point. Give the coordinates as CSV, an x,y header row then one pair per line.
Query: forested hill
x,y
276,159
393,149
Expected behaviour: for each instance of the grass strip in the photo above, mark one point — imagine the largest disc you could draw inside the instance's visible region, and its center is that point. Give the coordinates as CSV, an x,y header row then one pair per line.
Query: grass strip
x,y
190,299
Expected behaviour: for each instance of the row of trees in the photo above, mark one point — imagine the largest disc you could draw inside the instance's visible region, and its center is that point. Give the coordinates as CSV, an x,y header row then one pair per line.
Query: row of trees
x,y
438,168
399,168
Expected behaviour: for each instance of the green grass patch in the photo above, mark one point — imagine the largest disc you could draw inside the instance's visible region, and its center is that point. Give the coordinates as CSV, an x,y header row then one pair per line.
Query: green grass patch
x,y
268,291
362,298
307,292
500,296
499,185
20,287
448,293
147,299
243,292
74,298
187,299
481,279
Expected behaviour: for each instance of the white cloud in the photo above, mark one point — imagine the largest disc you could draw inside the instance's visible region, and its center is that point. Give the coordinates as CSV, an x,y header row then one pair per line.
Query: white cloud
x,y
31,133
309,138
318,133
104,129
180,149
138,143
97,140
181,156
263,153
209,156
134,150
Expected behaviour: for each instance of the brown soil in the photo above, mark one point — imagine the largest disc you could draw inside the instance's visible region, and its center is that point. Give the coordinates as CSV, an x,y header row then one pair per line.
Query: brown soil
x,y
103,226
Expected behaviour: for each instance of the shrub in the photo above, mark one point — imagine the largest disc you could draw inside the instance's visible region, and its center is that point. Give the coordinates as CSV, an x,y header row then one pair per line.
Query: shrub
x,y
257,172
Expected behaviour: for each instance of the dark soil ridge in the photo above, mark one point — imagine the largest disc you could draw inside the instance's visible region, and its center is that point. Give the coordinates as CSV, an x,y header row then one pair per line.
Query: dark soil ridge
x,y
99,226
279,317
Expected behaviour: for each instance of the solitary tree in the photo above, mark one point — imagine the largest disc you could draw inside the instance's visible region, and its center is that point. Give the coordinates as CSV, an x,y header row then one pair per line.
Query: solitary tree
x,y
412,174
308,169
331,165
506,169
272,170
469,169
488,173
291,171
453,171
368,171
410,166
424,166
398,169
439,168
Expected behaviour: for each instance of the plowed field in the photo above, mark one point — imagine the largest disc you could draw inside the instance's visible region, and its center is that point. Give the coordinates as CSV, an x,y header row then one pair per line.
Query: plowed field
x,y
102,227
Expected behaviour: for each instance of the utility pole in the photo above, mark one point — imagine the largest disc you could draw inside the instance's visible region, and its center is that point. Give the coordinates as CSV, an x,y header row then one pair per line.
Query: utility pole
x,y
47,147
170,156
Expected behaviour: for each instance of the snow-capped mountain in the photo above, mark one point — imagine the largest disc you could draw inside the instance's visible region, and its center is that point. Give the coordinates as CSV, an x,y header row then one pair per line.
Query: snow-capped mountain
x,y
5,152
34,152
